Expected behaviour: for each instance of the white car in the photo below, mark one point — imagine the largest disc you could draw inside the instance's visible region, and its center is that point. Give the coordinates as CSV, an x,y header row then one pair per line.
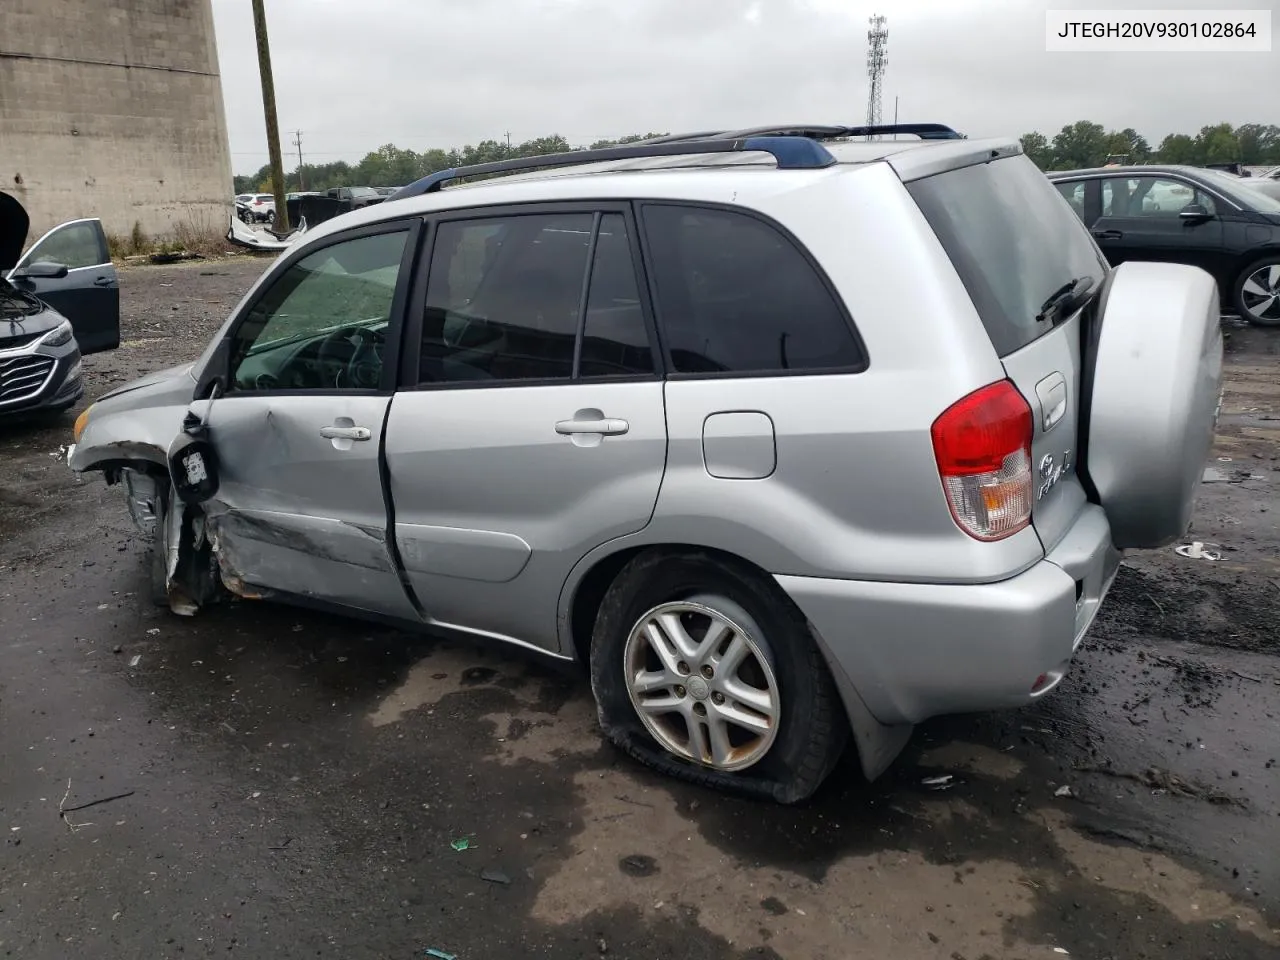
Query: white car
x,y
261,208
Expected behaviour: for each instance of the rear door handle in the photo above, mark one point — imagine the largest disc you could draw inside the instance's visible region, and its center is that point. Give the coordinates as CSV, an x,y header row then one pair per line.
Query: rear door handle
x,y
1108,234
102,282
606,427
345,433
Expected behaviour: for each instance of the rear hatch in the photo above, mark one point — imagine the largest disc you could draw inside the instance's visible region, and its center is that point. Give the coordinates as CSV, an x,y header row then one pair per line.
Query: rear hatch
x,y
1033,273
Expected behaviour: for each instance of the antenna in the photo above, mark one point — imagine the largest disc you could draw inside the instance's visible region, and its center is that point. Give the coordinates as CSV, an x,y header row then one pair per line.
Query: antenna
x,y
877,44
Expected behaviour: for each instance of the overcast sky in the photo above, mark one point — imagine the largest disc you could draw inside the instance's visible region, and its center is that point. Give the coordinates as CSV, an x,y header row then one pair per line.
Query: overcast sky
x,y
355,74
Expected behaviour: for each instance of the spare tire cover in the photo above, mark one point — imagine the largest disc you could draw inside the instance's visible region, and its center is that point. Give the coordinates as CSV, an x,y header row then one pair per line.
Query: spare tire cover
x,y
1157,390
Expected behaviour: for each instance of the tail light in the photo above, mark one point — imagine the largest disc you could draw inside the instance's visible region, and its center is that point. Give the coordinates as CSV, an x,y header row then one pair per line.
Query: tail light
x,y
983,447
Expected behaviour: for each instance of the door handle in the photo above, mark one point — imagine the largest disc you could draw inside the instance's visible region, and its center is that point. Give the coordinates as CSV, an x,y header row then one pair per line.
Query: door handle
x,y
606,427
1108,234
102,282
345,433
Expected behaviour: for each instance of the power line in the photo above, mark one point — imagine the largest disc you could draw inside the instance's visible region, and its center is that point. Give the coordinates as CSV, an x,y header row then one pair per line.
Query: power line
x,y
877,46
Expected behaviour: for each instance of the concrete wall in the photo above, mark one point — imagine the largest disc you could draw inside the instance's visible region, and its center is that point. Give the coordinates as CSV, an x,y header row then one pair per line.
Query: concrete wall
x,y
113,109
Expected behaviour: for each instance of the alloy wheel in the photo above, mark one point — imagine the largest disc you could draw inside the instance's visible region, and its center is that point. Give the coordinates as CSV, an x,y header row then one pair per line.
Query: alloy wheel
x,y
1261,294
701,681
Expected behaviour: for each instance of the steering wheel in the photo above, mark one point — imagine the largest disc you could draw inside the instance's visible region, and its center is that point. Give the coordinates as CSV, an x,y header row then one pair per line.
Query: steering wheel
x,y
364,369
350,358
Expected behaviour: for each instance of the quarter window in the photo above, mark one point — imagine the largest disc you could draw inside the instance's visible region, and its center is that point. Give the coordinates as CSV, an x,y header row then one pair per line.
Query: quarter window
x,y
736,296
1073,193
322,324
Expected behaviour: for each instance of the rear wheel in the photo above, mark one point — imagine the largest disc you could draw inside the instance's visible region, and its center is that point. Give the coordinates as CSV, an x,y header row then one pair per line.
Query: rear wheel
x,y
1257,292
703,669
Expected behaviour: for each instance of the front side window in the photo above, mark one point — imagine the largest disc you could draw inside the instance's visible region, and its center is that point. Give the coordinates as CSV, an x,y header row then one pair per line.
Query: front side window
x,y
1150,197
322,323
74,245
737,296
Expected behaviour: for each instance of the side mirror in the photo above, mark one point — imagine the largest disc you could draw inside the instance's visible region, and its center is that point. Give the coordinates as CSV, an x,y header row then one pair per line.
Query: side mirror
x,y
41,270
1194,213
193,466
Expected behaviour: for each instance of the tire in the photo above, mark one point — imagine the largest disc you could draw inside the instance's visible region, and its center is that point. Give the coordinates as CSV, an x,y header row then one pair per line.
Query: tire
x,y
1256,311
809,730
157,579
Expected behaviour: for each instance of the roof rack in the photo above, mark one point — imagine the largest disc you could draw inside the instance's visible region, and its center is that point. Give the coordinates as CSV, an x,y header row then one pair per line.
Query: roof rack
x,y
795,147
925,131
791,153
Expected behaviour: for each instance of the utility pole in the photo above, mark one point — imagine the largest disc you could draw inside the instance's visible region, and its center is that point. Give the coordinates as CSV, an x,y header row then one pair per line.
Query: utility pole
x,y
269,108
508,143
297,142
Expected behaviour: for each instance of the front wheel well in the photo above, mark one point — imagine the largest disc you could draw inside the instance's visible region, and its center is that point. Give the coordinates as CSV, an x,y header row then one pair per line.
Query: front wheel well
x,y
591,589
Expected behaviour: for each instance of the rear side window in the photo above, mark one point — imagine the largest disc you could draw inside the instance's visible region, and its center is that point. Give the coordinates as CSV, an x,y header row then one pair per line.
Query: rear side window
x,y
503,298
534,297
737,296
1013,241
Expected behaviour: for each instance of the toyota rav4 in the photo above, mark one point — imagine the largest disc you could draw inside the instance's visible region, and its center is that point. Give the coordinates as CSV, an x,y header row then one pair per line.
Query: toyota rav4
x,y
789,435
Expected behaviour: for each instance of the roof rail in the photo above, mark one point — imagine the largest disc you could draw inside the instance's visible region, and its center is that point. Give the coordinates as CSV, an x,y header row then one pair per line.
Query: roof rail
x,y
925,131
791,153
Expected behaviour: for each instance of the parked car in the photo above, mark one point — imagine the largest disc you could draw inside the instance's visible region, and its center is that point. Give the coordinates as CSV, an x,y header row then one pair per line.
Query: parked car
x,y
57,301
669,414
354,197
1268,186
242,206
1209,219
261,208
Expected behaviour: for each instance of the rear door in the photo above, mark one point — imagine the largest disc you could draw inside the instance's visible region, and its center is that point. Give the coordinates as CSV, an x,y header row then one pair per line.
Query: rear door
x,y
533,427
1015,240
89,295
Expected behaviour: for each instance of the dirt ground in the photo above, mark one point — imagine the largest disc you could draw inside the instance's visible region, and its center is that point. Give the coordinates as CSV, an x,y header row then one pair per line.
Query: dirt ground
x,y
270,782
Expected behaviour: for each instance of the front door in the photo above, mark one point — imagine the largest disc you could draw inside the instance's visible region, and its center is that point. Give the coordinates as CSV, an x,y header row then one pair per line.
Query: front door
x,y
89,294
300,508
534,429
1142,220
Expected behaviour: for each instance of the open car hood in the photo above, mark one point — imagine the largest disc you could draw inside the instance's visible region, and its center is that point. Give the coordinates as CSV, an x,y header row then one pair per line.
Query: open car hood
x,y
13,231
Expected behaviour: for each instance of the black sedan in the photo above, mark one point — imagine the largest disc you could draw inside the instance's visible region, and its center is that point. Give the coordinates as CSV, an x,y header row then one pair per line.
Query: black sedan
x,y
1186,215
59,300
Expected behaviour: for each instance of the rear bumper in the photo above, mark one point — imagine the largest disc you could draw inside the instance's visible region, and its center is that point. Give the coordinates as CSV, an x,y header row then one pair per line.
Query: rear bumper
x,y
913,651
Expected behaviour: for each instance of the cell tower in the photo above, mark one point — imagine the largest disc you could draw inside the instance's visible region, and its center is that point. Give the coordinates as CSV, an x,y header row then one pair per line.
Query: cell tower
x,y
877,45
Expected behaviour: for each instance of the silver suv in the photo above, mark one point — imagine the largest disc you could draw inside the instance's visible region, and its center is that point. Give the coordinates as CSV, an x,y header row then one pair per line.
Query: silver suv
x,y
791,435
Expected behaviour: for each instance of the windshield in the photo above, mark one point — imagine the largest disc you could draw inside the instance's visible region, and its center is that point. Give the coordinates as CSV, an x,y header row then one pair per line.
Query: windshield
x,y
1241,190
1014,241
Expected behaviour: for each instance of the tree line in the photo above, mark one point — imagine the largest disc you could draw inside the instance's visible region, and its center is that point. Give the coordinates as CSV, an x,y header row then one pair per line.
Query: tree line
x,y
392,166
1077,145
1085,144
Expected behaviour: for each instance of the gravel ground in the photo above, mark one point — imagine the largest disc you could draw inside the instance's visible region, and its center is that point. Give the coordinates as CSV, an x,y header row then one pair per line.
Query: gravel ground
x,y
275,782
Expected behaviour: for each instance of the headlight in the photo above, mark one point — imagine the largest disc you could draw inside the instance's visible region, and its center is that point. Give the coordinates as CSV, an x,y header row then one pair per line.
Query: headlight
x,y
59,336
82,421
